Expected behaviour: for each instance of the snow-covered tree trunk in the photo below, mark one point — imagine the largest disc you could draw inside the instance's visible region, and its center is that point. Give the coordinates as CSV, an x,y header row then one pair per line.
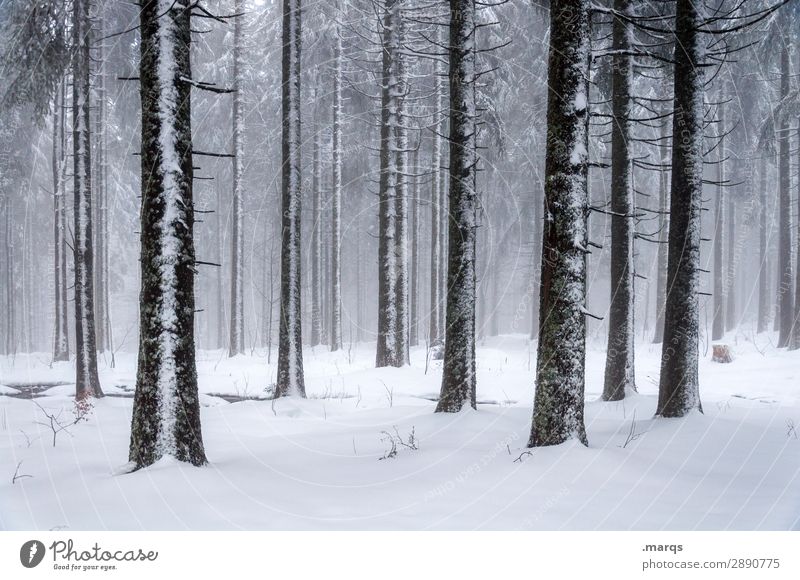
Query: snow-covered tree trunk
x,y
316,237
458,370
414,236
663,230
434,331
679,388
763,271
61,330
290,348
730,266
560,365
220,223
99,183
166,407
87,382
718,323
336,201
387,353
11,337
794,341
401,203
236,345
785,297
619,375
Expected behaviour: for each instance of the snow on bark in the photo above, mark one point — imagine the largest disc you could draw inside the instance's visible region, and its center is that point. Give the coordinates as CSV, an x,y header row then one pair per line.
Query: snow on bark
x,y
87,382
166,413
290,346
763,270
458,370
387,352
679,389
237,226
619,371
413,330
336,202
720,289
316,239
663,228
61,330
437,195
784,270
560,365
401,201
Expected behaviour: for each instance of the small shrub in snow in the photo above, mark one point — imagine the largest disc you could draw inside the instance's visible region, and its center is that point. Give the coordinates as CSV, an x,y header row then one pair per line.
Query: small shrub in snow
x,y
396,441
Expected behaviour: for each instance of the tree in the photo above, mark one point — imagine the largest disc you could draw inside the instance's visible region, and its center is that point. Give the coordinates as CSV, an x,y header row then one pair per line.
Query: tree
x,y
763,285
87,382
619,372
316,238
679,389
236,345
61,330
336,200
560,365
720,289
458,370
290,344
784,284
166,406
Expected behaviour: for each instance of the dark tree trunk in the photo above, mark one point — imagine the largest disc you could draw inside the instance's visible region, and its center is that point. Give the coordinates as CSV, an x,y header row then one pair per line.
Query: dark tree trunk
x,y
560,365
387,350
458,370
619,375
290,348
166,407
785,298
87,382
679,389
663,230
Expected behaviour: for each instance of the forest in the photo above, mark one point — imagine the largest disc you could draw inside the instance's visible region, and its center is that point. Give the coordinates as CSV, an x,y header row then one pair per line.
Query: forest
x,y
399,264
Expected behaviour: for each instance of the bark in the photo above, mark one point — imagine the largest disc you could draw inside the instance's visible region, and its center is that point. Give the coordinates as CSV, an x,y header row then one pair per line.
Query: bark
x,y
794,342
166,406
663,229
785,298
718,326
387,349
434,331
316,240
414,286
679,389
236,341
290,348
61,330
560,365
619,375
336,202
87,382
401,209
458,370
730,273
763,270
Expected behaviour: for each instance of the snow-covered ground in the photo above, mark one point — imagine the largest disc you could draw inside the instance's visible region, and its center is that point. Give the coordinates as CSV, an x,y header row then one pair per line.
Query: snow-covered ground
x,y
316,463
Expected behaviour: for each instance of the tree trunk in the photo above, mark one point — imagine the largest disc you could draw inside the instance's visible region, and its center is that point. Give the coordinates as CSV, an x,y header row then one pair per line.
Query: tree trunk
x,y
87,382
401,208
663,229
61,331
560,365
458,370
236,345
785,298
794,342
434,331
316,239
730,274
290,349
414,287
166,407
619,375
387,350
336,202
679,389
718,326
763,271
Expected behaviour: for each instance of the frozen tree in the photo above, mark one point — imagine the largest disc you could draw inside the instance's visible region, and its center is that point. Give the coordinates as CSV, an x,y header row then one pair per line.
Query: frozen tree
x,y
663,223
290,345
785,314
458,370
763,272
336,200
87,382
560,364
316,238
236,342
59,165
718,324
166,407
437,195
619,372
413,330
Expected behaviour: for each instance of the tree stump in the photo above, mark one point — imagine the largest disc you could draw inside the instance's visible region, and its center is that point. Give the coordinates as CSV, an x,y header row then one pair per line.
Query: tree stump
x,y
722,353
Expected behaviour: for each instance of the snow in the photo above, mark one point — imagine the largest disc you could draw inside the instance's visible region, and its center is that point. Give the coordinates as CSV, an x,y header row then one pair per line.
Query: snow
x,y
315,463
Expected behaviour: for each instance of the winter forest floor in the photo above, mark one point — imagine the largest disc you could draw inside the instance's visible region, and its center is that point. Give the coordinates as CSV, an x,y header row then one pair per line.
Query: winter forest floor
x,y
316,463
